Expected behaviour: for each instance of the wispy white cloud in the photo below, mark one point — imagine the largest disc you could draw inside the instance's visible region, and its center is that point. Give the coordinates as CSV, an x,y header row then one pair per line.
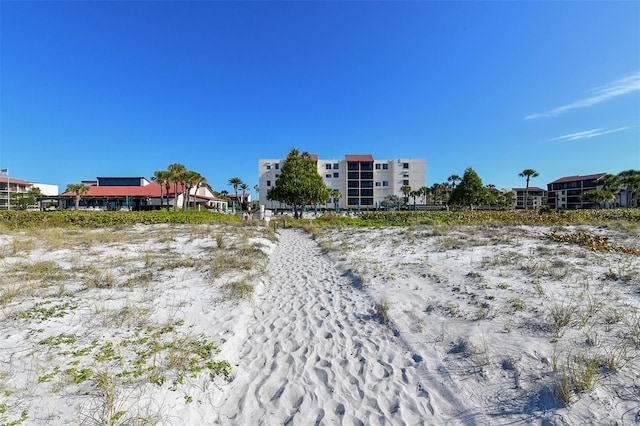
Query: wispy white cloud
x,y
587,134
600,94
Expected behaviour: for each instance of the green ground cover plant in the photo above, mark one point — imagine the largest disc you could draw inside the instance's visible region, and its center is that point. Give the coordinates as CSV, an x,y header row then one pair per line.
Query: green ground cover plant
x,y
84,219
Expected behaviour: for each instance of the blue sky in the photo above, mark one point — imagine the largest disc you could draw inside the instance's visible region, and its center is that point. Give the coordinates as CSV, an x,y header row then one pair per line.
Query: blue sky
x,y
92,88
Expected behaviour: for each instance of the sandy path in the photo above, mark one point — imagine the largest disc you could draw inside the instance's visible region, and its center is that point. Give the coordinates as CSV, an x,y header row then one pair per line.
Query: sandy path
x,y
317,355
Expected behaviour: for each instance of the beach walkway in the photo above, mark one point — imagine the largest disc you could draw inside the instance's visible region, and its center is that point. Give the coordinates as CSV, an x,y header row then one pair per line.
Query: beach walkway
x,y
316,354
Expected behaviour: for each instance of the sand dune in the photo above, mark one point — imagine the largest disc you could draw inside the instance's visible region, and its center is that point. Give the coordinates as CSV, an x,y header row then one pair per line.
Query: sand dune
x,y
485,326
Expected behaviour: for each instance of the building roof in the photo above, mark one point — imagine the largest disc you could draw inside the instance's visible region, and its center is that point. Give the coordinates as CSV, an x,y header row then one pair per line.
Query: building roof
x,y
358,157
578,178
531,188
150,190
240,195
15,181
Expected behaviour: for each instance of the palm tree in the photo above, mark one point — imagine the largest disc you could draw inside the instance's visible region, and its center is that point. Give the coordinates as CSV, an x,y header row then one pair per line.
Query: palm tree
x,y
436,189
189,180
235,182
79,189
244,188
200,181
335,195
162,178
406,190
176,175
424,192
415,194
453,179
527,173
447,188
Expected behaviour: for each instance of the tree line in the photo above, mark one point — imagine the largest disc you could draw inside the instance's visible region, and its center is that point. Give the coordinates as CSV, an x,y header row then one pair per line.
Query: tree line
x,y
299,184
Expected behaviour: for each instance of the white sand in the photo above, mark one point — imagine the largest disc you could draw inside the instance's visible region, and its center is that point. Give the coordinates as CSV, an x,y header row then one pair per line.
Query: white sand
x,y
308,347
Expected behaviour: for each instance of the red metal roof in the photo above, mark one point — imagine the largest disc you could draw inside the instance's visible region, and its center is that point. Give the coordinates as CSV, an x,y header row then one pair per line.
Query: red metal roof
x,y
578,178
150,190
16,181
359,157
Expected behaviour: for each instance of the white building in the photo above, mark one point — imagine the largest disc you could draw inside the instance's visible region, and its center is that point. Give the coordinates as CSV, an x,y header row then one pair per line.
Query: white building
x,y
361,180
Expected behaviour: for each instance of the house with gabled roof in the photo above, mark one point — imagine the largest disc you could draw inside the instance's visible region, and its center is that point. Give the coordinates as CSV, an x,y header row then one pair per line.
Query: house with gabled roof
x,y
567,191
138,193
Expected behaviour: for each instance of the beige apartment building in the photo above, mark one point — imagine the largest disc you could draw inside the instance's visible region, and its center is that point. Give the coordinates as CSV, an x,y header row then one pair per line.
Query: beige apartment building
x,y
362,181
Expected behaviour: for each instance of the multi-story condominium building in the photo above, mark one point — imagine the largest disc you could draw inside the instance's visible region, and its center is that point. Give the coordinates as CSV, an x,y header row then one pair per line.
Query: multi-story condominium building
x,y
567,192
362,181
536,197
9,186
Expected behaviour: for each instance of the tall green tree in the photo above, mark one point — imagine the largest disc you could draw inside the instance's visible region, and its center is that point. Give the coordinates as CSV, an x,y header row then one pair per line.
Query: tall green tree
x,y
79,189
299,183
598,196
436,191
528,174
199,182
162,178
406,190
335,196
424,192
415,194
24,199
176,175
235,182
244,187
190,180
611,183
453,179
630,179
470,192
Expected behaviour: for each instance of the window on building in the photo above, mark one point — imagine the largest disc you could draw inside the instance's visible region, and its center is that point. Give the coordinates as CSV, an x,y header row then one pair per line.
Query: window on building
x,y
336,174
277,165
353,201
378,183
405,182
385,183
367,192
385,167
366,166
268,166
353,192
405,165
336,166
405,175
353,184
366,184
353,175
353,166
277,176
328,166
268,183
378,166
328,175
366,175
